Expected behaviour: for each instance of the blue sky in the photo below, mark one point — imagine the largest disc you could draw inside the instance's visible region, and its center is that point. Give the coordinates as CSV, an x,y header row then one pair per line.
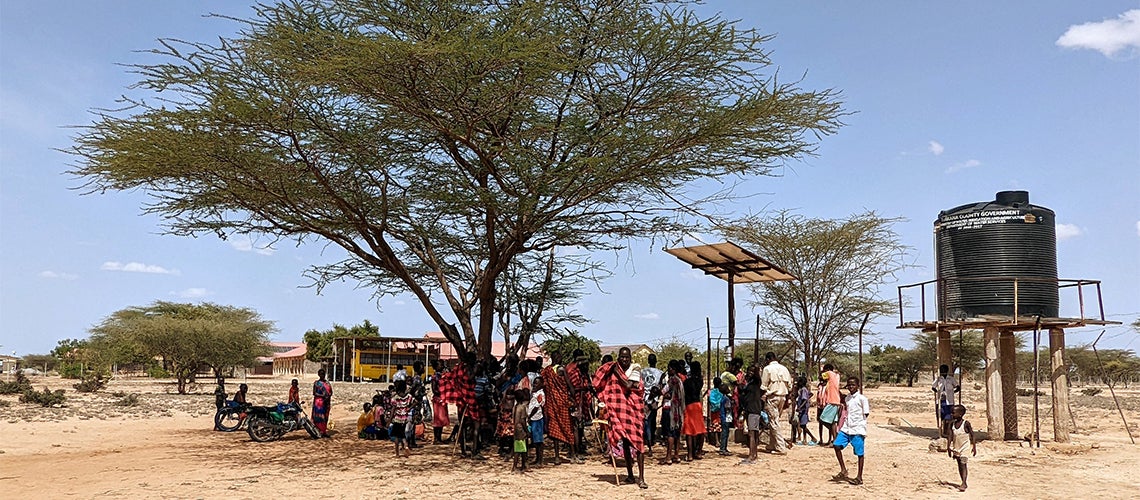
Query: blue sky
x,y
953,102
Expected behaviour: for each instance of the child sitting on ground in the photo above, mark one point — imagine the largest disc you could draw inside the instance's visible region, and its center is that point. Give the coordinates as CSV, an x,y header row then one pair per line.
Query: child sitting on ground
x,y
522,428
961,436
366,423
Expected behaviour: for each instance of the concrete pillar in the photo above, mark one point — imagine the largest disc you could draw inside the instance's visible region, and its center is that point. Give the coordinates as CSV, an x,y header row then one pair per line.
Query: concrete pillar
x,y
994,412
1061,416
1007,351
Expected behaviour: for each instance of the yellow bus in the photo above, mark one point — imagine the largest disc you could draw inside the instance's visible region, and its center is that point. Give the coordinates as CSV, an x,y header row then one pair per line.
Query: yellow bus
x,y
375,359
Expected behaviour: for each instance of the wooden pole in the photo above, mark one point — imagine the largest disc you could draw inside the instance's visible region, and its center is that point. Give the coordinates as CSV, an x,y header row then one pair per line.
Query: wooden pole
x,y
731,315
1036,379
756,345
994,416
861,327
1060,385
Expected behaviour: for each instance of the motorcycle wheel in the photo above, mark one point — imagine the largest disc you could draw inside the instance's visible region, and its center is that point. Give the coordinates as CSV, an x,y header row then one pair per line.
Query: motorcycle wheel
x,y
260,430
310,428
228,419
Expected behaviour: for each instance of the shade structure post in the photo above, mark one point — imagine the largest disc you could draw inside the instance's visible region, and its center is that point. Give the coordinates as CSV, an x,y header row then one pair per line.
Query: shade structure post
x,y
731,314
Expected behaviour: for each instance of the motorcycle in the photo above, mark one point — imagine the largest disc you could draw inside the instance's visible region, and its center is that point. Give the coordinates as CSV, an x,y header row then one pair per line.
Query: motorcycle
x,y
269,423
231,417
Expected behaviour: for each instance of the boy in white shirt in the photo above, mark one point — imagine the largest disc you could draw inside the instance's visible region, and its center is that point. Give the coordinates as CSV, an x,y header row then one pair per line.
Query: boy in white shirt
x,y
853,430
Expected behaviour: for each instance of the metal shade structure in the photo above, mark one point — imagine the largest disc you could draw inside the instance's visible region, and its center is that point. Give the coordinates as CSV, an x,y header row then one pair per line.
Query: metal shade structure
x,y
734,264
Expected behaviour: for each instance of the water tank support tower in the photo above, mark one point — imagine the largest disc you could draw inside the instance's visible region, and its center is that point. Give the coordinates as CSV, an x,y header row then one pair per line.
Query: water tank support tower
x,y
996,265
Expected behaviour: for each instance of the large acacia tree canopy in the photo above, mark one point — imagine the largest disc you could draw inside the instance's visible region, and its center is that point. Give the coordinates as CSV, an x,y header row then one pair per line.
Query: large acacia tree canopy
x,y
435,141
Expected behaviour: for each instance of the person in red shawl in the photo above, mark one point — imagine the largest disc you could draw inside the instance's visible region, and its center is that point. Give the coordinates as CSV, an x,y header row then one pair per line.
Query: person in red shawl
x,y
578,379
557,410
625,410
458,386
439,417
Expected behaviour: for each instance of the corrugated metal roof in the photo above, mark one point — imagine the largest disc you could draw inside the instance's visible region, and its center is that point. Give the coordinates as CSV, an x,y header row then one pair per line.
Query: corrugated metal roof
x,y
728,258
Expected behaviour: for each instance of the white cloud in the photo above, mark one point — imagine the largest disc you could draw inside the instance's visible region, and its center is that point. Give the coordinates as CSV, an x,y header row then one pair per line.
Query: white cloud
x,y
399,303
243,243
936,148
58,276
137,267
1066,231
1138,228
1108,37
647,316
963,165
192,293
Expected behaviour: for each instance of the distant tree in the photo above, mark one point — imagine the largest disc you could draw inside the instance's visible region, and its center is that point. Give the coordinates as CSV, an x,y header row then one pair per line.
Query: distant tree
x,y
42,362
675,348
839,264
185,336
896,362
319,343
437,142
71,354
565,341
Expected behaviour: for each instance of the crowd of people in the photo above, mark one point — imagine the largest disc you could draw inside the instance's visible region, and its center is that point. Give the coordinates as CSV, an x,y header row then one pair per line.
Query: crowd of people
x,y
522,408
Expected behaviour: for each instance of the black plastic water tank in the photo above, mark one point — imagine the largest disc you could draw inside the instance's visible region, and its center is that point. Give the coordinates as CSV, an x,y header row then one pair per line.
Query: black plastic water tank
x,y
983,247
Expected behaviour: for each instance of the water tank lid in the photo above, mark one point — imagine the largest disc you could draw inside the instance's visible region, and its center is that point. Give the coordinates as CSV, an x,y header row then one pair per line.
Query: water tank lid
x,y
1012,198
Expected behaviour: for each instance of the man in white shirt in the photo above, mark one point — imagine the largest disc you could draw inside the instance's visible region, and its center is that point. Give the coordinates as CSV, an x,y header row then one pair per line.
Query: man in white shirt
x,y
946,387
776,381
651,379
853,430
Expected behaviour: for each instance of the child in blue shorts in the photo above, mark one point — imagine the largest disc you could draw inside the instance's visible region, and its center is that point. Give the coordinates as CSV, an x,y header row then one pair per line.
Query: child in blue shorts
x,y
853,430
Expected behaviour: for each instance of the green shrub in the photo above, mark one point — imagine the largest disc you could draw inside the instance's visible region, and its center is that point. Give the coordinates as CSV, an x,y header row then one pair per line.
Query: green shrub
x,y
70,370
91,383
157,372
1091,391
46,398
19,386
128,400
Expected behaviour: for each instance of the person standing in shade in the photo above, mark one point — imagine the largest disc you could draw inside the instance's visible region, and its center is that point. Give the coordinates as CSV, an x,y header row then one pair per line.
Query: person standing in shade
x,y
651,378
945,387
625,411
776,381
322,403
439,417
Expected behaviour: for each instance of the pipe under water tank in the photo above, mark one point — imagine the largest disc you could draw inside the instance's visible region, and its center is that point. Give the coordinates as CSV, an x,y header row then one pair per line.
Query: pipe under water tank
x,y
983,248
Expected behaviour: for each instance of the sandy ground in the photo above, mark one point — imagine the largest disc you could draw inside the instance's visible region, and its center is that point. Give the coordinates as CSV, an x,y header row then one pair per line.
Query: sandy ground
x,y
164,447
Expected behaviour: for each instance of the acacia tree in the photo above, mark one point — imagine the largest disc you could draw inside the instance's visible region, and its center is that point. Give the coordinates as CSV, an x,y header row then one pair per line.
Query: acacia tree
x,y
319,343
840,265
185,336
539,293
437,142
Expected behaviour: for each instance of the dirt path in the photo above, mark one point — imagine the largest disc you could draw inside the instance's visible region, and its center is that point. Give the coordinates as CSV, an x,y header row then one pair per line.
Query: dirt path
x,y
178,456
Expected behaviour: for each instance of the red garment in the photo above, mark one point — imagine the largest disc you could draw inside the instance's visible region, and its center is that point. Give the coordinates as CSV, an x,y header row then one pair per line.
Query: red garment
x,y
557,408
581,388
458,386
694,421
625,408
